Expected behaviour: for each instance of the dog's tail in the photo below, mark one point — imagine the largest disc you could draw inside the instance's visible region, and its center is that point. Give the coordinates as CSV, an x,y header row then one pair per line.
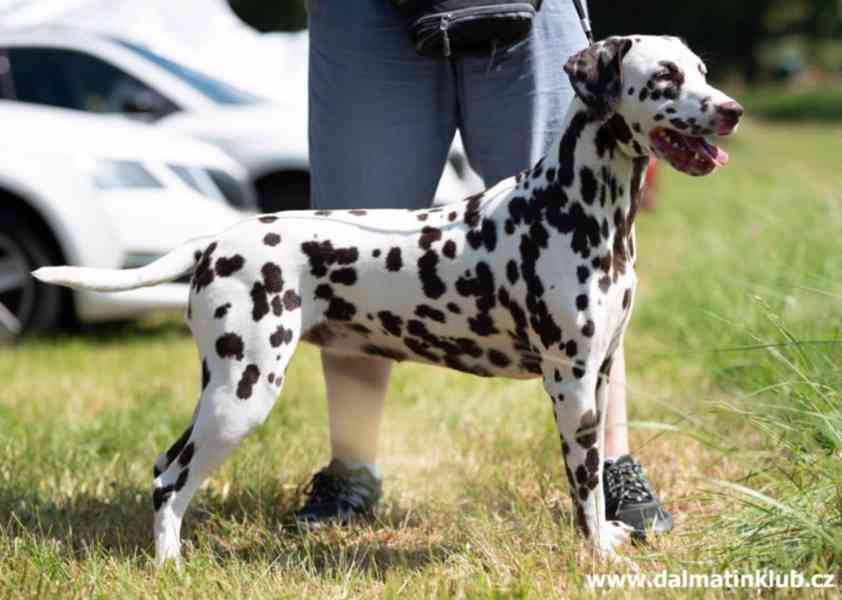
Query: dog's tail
x,y
166,268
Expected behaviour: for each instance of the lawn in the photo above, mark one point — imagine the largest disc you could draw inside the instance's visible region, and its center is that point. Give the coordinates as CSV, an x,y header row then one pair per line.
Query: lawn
x,y
734,389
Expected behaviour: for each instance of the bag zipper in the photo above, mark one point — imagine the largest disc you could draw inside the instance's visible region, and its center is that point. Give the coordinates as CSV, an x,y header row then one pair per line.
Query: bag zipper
x,y
478,11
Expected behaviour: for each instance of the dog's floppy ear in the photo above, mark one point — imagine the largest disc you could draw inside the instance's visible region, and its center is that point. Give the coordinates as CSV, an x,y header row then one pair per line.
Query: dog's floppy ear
x,y
596,74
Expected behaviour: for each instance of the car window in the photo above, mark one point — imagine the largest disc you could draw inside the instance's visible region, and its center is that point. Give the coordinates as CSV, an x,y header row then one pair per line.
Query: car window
x,y
76,80
212,88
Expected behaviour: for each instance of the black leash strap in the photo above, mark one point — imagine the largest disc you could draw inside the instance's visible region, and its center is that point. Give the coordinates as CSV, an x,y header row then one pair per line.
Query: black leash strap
x,y
584,20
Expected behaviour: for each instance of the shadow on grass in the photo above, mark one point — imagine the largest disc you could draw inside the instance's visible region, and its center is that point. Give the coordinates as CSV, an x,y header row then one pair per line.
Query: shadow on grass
x,y
261,528
118,524
245,527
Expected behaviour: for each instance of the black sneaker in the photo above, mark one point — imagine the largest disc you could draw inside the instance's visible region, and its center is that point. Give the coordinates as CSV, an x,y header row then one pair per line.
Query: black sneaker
x,y
629,498
337,493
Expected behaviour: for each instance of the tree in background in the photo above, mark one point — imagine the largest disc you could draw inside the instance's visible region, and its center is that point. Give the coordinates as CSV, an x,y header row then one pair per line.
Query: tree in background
x,y
817,18
726,33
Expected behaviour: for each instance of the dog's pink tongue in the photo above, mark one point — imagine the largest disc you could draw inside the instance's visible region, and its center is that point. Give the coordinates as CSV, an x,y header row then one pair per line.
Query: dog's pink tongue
x,y
717,154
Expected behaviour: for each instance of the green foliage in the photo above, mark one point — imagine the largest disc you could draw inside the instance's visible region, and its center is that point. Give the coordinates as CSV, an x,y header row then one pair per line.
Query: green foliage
x,y
723,32
789,511
812,104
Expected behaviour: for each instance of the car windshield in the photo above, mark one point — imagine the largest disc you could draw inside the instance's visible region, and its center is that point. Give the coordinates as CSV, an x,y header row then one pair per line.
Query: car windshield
x,y
218,91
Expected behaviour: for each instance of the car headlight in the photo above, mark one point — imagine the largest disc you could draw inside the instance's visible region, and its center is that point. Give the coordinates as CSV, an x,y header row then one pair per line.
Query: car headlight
x,y
108,174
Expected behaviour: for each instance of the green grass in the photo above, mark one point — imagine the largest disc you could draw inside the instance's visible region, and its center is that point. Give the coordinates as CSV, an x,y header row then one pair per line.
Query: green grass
x,y
734,381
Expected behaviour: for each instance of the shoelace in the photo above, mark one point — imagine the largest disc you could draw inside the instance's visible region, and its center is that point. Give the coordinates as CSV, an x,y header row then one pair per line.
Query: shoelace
x,y
627,483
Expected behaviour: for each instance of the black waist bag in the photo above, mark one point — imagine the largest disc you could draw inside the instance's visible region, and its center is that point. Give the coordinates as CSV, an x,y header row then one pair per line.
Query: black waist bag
x,y
447,28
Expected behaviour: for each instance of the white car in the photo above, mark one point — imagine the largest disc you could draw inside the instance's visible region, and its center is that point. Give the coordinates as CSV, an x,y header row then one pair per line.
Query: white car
x,y
101,71
94,72
103,192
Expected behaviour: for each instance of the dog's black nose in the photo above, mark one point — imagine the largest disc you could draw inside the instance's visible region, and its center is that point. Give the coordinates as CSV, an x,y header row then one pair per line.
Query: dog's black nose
x,y
731,111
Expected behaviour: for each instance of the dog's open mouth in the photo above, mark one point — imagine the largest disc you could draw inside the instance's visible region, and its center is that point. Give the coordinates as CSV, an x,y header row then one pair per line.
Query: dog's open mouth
x,y
690,154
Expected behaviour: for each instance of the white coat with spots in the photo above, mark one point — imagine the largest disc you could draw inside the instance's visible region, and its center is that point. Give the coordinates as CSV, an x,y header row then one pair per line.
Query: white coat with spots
x,y
532,278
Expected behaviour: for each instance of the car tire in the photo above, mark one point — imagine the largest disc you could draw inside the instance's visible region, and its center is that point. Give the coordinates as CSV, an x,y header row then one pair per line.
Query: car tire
x,y
27,306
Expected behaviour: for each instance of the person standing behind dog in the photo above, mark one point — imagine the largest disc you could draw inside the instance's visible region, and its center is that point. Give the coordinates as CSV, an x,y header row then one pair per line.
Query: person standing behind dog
x,y
382,119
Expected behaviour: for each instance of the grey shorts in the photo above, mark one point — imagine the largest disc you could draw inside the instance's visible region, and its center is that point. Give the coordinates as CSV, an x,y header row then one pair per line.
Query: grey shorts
x,y
382,118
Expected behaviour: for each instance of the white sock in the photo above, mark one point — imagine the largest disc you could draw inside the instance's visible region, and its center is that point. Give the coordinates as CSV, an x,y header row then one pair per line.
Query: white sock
x,y
372,468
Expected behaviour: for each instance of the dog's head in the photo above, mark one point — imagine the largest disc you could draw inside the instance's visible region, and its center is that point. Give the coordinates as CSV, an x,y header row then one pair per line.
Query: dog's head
x,y
654,89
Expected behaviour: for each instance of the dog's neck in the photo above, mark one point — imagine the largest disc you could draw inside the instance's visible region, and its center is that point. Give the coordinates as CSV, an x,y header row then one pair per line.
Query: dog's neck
x,y
595,161
587,187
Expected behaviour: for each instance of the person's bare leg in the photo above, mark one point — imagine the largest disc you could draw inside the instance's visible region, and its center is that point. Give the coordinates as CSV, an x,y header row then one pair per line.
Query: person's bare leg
x,y
630,498
356,391
616,429
350,485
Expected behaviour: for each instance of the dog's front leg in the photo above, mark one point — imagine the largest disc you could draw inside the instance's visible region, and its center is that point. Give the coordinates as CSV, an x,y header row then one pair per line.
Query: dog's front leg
x,y
578,396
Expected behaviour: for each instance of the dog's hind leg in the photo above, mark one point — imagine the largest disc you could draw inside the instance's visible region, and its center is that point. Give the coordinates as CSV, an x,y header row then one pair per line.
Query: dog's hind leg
x,y
165,459
244,377
578,395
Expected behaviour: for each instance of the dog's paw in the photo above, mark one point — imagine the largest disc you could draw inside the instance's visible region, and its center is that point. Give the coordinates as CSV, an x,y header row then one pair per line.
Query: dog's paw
x,y
167,539
610,537
618,533
168,553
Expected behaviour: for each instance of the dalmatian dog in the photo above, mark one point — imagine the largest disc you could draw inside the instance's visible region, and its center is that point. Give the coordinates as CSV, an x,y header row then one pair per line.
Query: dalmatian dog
x,y
532,278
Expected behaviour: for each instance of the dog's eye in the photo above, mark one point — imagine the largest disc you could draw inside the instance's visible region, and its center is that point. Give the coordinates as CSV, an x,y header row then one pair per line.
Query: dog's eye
x,y
703,70
669,72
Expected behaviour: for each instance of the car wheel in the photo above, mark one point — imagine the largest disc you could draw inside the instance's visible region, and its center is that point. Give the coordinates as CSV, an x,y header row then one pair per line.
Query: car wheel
x,y
26,305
